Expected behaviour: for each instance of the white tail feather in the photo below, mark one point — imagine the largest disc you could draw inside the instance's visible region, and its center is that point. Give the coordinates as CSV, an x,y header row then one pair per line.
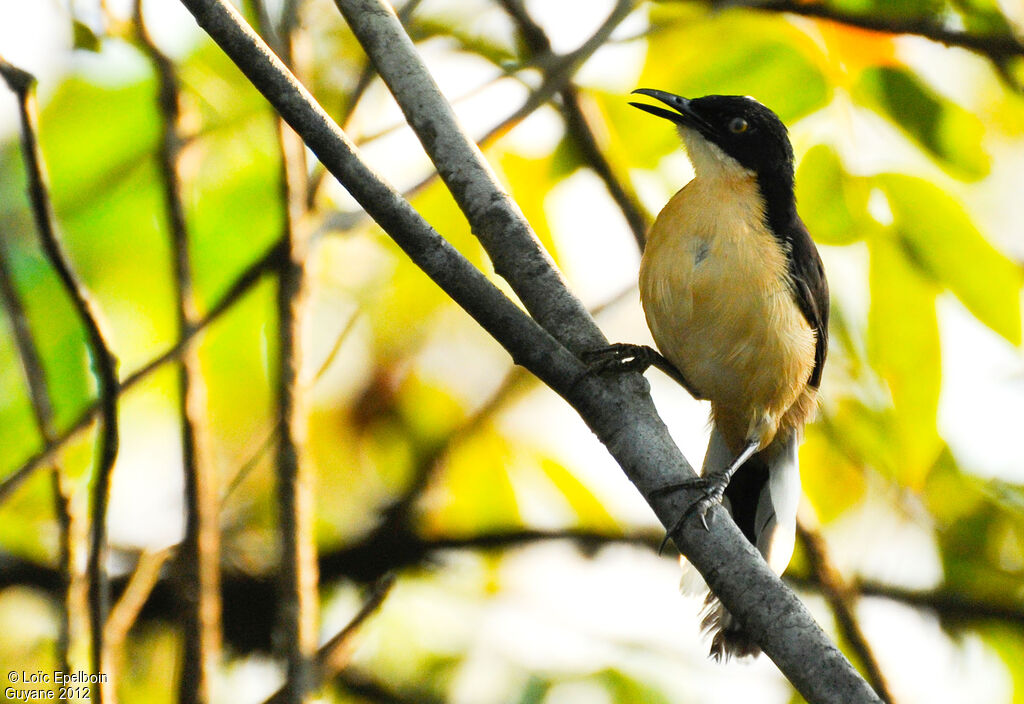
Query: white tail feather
x,y
775,527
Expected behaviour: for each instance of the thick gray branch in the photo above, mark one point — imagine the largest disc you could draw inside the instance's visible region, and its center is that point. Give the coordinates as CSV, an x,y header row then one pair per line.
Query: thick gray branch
x,y
618,410
493,216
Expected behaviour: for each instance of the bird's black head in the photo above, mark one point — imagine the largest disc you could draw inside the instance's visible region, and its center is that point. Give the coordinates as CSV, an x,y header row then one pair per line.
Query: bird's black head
x,y
740,128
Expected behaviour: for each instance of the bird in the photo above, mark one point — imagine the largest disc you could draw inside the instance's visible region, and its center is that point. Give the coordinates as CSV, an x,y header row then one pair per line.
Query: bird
x,y
736,299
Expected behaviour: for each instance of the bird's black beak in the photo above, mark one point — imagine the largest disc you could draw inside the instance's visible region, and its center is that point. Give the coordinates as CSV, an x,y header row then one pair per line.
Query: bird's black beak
x,y
683,115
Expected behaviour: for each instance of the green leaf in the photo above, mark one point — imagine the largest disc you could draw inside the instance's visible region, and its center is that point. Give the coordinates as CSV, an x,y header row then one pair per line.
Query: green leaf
x,y
983,17
944,245
765,57
897,9
530,181
566,158
535,690
832,203
983,555
119,244
903,345
93,136
950,494
949,133
233,203
56,329
635,140
84,37
436,204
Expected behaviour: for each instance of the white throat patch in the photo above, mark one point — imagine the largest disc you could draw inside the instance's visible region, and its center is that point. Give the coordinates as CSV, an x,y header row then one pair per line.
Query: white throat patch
x,y
708,159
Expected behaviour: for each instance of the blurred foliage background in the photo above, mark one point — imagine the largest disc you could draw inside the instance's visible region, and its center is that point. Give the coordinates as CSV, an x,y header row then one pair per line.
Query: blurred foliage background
x,y
525,563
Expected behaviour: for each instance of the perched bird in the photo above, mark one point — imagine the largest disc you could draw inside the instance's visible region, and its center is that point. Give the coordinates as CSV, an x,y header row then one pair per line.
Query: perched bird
x,y
735,295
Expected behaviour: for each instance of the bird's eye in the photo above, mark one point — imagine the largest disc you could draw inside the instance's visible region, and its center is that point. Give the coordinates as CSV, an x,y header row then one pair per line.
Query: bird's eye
x,y
738,125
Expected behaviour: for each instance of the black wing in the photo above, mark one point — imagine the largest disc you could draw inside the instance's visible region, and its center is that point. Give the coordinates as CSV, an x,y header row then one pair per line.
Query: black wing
x,y
810,289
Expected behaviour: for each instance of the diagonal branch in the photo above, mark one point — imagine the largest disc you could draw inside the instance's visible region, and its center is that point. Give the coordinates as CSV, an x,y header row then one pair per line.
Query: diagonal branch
x,y
619,410
104,364
331,657
493,217
840,598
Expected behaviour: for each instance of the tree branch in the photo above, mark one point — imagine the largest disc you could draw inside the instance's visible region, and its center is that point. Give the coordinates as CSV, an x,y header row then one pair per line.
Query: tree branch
x,y
841,600
104,364
1000,49
133,597
619,410
995,46
295,485
493,217
331,658
200,553
42,408
248,598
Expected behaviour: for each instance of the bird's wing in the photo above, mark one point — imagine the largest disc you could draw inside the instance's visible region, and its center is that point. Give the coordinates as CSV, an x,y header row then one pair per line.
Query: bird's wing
x,y
810,290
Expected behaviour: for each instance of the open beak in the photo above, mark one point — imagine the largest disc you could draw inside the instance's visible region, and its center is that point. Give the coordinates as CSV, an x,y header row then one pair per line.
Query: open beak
x,y
683,114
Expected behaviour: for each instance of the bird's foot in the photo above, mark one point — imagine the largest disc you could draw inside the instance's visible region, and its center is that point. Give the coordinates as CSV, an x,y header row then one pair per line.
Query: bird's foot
x,y
619,358
625,357
712,487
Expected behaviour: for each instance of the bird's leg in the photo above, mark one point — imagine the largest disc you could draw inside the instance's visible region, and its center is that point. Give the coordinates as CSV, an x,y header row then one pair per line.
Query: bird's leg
x,y
712,486
624,357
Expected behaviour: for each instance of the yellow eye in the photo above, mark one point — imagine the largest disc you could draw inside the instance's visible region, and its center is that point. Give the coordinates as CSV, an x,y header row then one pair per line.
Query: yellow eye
x,y
738,125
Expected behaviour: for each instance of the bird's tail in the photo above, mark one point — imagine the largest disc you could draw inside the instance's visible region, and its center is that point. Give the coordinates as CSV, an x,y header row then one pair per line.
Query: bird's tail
x,y
728,639
762,498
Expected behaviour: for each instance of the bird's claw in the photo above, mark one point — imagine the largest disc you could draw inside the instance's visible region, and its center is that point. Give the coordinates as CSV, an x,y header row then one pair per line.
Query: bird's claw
x,y
713,489
713,493
615,358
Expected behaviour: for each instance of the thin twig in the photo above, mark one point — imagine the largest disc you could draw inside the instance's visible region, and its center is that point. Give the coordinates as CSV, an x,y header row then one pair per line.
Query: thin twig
x,y
955,610
254,459
999,49
200,553
104,364
841,600
42,409
332,656
559,70
299,606
266,263
143,580
366,75
339,341
995,46
578,129
493,217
